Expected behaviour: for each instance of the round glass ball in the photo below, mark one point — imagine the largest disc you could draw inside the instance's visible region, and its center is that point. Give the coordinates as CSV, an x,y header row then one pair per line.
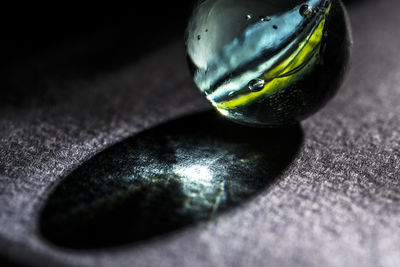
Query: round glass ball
x,y
268,62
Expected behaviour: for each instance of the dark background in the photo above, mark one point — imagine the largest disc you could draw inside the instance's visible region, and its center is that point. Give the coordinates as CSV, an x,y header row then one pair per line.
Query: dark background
x,y
37,29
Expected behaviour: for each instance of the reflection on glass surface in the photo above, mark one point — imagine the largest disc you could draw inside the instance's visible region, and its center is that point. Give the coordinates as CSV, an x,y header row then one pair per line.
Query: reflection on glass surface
x,y
268,62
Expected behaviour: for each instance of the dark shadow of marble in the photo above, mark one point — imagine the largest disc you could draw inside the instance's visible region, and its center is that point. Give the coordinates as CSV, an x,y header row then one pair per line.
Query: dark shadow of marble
x,y
180,173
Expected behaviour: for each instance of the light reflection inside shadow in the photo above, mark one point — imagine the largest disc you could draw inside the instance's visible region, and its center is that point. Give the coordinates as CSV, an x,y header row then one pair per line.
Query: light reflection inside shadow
x,y
180,173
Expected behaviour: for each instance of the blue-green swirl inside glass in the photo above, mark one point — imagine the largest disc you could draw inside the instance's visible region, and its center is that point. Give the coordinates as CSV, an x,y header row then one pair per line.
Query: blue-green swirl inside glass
x,y
268,62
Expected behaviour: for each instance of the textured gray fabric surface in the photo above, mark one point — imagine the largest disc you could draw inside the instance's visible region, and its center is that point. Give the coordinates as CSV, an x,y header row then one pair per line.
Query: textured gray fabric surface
x,y
336,204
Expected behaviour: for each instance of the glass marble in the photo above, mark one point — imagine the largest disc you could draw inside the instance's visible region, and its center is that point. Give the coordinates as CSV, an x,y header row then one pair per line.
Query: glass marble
x,y
268,62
